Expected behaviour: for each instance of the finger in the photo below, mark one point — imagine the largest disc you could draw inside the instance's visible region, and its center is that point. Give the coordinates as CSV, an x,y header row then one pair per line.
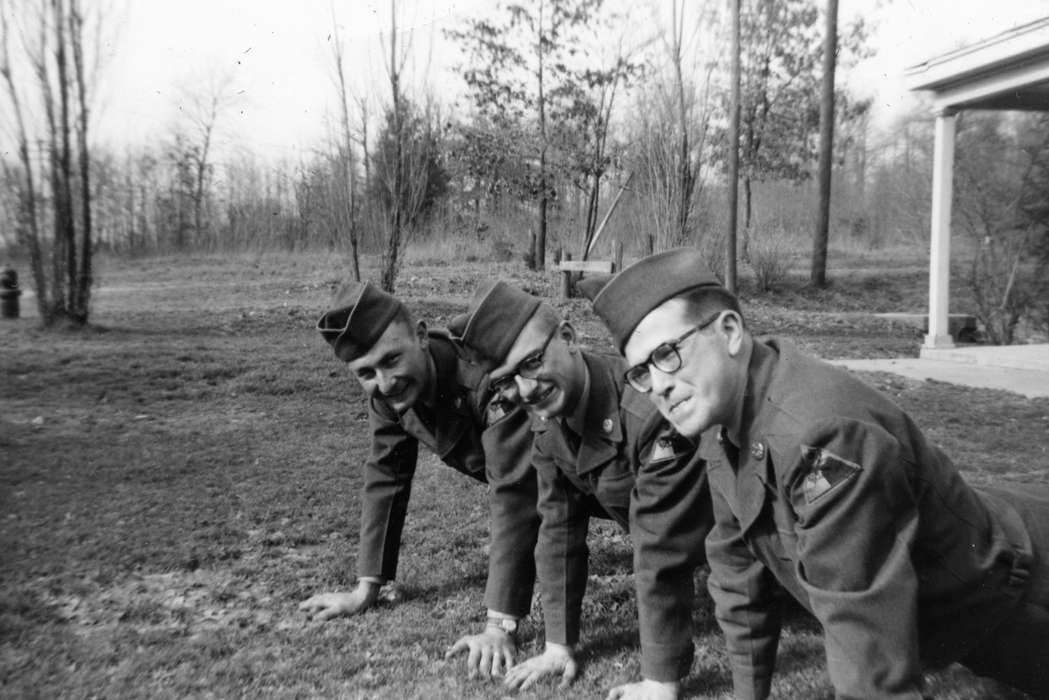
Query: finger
x,y
486,662
456,648
508,657
309,604
472,660
514,677
533,676
326,614
569,674
497,664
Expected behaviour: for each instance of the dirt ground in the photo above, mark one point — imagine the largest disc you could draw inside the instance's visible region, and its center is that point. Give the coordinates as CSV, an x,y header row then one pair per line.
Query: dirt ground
x,y
177,477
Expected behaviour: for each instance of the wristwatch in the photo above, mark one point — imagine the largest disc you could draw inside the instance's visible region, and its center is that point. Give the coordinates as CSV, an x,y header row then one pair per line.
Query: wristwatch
x,y
506,624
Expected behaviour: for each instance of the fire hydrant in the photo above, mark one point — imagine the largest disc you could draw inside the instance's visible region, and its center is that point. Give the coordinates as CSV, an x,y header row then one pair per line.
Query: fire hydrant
x,y
9,293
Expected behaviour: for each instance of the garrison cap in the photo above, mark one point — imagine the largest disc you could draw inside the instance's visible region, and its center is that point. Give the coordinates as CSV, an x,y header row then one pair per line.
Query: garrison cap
x,y
630,295
497,314
359,315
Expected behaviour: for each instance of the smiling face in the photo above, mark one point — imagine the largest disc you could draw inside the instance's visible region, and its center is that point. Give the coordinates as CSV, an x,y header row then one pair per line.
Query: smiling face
x,y
397,368
705,390
557,383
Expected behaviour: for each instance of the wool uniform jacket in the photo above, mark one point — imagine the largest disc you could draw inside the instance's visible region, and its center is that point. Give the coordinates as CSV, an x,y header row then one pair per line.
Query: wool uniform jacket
x,y
633,465
835,494
473,433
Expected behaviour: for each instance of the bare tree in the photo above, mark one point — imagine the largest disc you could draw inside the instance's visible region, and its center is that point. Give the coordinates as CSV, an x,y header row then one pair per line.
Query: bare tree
x,y
201,109
671,139
52,40
400,164
344,188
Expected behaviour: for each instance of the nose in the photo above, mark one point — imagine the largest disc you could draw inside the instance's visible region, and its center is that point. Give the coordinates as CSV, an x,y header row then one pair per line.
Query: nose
x,y
525,387
662,382
385,381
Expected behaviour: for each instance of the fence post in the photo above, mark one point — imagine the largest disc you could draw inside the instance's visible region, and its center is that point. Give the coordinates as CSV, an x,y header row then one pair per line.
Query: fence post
x,y
566,277
617,256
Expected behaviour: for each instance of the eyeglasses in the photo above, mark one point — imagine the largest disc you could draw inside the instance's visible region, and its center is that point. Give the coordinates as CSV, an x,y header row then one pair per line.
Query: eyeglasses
x,y
666,358
527,368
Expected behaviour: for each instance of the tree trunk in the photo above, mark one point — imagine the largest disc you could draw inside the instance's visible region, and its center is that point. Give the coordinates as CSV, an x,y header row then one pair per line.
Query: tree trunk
x,y
733,156
84,277
818,274
539,252
745,245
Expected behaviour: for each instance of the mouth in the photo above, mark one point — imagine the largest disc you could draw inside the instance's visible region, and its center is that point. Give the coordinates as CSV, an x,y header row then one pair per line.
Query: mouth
x,y
676,408
539,397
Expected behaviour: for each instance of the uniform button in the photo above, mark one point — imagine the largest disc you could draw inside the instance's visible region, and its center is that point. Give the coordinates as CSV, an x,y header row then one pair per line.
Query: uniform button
x,y
606,425
758,450
458,401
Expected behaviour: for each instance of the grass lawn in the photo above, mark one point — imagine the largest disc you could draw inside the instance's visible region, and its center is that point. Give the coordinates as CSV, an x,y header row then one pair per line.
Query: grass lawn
x,y
176,478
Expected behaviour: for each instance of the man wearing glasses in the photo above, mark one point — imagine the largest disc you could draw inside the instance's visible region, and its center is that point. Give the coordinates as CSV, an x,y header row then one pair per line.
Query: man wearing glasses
x,y
421,390
593,436
821,485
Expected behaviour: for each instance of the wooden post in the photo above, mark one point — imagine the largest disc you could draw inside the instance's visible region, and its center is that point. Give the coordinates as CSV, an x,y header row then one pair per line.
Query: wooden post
x,y
566,277
617,256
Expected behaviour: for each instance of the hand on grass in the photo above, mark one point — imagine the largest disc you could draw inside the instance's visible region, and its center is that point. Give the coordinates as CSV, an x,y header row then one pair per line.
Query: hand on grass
x,y
489,652
645,690
324,606
556,659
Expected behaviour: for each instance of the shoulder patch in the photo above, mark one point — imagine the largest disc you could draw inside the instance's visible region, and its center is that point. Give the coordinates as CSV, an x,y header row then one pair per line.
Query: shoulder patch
x,y
826,471
669,446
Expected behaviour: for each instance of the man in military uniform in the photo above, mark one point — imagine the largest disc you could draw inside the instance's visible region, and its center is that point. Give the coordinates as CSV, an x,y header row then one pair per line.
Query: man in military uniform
x,y
592,434
421,390
822,485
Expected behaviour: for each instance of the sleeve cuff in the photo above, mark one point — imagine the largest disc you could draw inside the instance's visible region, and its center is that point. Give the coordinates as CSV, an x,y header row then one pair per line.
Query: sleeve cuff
x,y
496,615
748,685
666,663
377,580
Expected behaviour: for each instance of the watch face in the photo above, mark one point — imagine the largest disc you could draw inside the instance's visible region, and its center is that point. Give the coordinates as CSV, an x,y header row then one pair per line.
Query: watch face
x,y
506,625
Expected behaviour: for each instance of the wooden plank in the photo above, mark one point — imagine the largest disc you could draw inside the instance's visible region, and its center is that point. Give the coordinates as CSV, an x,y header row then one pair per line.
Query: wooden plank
x,y
604,266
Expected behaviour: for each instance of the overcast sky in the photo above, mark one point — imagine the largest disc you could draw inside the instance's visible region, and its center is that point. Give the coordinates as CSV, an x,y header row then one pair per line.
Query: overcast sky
x,y
277,53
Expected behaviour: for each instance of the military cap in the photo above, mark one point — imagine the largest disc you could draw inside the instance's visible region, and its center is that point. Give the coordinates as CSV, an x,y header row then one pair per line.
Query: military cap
x,y
496,316
630,295
359,315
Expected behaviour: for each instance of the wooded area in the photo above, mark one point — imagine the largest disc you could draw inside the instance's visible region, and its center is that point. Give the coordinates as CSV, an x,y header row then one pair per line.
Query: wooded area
x,y
567,111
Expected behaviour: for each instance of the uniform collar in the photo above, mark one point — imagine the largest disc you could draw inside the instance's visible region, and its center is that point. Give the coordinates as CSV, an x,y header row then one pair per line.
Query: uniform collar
x,y
448,405
576,422
602,405
760,368
734,430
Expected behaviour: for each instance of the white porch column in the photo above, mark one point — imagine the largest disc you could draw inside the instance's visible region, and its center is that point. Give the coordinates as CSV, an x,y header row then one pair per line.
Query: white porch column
x,y
940,246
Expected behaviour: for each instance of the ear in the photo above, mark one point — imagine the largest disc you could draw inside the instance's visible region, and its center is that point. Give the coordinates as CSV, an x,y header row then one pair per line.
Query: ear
x,y
731,326
421,335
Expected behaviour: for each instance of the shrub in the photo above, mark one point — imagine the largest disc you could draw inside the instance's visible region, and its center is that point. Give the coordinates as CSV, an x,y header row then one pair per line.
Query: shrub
x,y
1003,177
771,257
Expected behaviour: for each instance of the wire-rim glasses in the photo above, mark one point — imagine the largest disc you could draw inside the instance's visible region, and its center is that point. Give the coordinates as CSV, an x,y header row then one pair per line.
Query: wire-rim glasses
x,y
528,368
666,358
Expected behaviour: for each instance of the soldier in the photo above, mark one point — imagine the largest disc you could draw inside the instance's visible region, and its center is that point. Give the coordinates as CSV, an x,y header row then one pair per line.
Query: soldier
x,y
822,484
420,390
592,435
